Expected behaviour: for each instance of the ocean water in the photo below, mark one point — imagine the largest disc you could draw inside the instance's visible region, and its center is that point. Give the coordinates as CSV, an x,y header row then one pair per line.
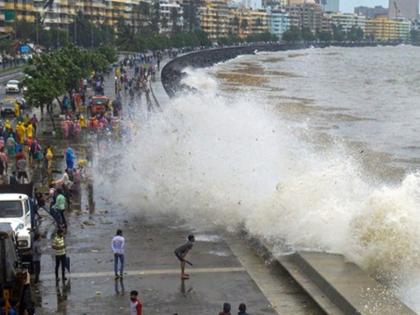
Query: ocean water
x,y
312,149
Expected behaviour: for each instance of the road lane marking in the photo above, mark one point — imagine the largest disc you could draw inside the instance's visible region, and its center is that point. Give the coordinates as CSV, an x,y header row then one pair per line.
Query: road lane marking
x,y
150,272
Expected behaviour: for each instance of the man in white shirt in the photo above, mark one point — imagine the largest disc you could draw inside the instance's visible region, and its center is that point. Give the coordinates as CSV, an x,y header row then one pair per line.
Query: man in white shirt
x,y
117,246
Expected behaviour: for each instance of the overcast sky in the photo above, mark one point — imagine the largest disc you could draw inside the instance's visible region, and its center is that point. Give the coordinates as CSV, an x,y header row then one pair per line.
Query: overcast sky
x,y
348,5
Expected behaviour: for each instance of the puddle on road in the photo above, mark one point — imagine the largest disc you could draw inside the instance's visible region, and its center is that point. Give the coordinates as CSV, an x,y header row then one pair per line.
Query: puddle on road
x,y
219,253
208,238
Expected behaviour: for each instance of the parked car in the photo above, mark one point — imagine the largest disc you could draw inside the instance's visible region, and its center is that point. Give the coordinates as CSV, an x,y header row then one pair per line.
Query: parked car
x,y
12,86
7,107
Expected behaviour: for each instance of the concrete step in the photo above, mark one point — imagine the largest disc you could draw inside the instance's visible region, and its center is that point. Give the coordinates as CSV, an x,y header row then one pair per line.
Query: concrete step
x,y
309,286
344,283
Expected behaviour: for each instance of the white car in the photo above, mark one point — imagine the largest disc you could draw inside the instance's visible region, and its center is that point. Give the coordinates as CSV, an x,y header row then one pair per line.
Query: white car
x,y
12,86
15,209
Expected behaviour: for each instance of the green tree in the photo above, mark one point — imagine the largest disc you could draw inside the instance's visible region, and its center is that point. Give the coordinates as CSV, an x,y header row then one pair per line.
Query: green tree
x,y
355,34
292,35
307,34
125,36
338,33
324,36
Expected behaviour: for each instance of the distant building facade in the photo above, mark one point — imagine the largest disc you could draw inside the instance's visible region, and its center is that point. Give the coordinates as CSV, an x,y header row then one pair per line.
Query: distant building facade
x,y
329,5
245,22
385,29
307,15
171,16
408,9
278,22
274,4
348,20
371,13
215,18
61,13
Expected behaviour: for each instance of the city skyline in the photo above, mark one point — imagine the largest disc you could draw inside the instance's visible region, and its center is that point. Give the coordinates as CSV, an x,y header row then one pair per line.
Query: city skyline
x,y
349,5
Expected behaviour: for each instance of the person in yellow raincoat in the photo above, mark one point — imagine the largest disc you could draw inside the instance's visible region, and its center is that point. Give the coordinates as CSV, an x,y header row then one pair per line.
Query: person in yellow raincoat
x,y
7,125
17,109
82,122
29,131
20,131
49,157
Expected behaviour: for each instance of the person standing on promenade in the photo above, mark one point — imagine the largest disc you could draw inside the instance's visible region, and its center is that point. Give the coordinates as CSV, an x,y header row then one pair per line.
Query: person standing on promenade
x,y
60,206
181,252
117,245
60,255
135,304
70,158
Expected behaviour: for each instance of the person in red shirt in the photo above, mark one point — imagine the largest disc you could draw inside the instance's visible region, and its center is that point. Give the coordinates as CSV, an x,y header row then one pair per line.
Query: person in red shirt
x,y
135,304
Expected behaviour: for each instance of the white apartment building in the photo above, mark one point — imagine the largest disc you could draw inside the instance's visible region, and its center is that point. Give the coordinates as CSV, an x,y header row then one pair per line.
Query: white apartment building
x,y
278,22
170,10
348,20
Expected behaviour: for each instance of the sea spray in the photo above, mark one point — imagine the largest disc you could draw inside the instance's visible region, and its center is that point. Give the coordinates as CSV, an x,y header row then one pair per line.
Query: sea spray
x,y
233,162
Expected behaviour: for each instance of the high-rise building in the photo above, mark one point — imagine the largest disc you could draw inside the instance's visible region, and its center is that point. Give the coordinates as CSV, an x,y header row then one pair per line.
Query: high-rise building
x,y
371,13
408,9
171,16
297,2
329,5
278,22
274,4
191,14
215,18
307,15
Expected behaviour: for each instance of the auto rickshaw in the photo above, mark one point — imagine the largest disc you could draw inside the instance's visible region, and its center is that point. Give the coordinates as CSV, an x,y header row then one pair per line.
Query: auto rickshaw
x,y
99,105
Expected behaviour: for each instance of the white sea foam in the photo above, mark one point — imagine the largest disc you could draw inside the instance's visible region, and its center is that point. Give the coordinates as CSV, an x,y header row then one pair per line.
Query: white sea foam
x,y
234,163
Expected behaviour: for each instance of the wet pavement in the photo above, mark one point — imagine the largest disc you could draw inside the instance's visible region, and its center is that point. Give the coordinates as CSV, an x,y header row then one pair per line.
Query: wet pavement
x,y
151,268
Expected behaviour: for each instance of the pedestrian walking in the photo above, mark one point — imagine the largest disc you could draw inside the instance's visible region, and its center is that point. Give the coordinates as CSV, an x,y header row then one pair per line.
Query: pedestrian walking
x,y
226,309
70,158
135,304
37,256
59,247
181,252
117,245
60,206
242,309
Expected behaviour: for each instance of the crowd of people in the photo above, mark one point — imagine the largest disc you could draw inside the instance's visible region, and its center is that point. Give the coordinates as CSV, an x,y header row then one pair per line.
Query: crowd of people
x,y
19,147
